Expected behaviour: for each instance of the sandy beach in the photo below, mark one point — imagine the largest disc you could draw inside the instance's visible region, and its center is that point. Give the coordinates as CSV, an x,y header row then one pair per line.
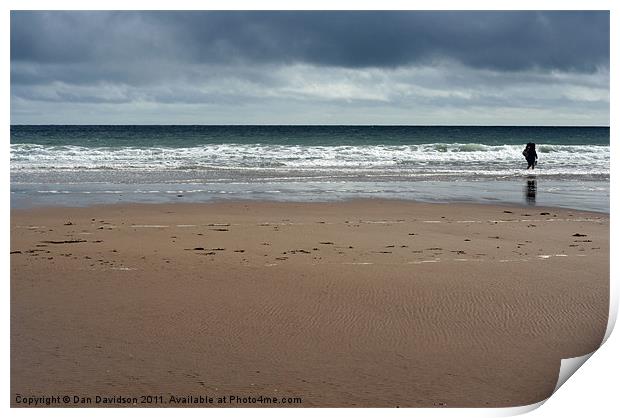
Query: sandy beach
x,y
367,303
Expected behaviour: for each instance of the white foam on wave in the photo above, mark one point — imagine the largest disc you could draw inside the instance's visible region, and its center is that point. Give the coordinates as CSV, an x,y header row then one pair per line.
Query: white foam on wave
x,y
425,159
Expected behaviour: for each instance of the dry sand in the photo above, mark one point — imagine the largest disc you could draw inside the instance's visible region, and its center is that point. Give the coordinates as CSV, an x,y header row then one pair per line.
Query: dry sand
x,y
363,303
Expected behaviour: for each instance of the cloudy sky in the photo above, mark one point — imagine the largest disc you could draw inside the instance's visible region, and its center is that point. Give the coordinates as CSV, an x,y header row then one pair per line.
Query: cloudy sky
x,y
488,68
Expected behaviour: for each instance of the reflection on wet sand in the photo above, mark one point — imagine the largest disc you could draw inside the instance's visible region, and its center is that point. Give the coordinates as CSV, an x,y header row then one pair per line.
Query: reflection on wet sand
x,y
530,190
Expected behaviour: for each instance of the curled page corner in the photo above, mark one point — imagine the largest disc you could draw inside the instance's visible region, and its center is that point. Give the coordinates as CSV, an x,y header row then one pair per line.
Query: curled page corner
x,y
569,366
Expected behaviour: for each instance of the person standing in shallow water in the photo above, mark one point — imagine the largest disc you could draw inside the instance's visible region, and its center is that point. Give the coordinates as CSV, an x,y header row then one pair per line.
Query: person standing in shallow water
x,y
530,155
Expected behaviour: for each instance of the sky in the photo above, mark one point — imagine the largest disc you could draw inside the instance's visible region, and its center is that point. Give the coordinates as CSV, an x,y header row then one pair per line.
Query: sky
x,y
348,67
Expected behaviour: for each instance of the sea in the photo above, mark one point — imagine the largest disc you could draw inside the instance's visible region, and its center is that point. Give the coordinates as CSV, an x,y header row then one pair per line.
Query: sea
x,y
78,165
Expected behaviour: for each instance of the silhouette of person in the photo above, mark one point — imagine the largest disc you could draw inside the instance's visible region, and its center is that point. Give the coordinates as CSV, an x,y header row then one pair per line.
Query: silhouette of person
x,y
530,155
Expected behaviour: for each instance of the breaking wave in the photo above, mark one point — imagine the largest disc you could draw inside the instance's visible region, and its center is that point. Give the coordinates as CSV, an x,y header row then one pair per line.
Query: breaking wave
x,y
434,159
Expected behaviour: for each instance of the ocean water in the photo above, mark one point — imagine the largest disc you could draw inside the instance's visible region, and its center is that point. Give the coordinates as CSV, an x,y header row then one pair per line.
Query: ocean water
x,y
84,165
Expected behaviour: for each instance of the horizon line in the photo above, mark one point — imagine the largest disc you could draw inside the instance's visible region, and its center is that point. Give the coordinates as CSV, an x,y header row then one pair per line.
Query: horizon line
x,y
313,124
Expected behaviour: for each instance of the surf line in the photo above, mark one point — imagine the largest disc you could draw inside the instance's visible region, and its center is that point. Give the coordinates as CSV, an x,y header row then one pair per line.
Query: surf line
x,y
396,221
477,221
461,260
150,226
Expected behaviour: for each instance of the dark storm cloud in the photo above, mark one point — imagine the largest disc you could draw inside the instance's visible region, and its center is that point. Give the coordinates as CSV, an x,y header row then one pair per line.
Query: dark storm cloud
x,y
506,41
310,67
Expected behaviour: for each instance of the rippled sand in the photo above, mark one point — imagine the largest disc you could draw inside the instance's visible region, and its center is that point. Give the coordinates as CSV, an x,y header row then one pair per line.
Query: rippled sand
x,y
363,303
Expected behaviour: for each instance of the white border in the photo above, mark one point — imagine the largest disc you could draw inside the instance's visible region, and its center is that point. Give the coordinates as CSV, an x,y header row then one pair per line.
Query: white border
x,y
591,392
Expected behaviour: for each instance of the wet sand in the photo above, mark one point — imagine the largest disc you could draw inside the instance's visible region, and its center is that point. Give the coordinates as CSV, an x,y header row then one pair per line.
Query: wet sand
x,y
364,303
